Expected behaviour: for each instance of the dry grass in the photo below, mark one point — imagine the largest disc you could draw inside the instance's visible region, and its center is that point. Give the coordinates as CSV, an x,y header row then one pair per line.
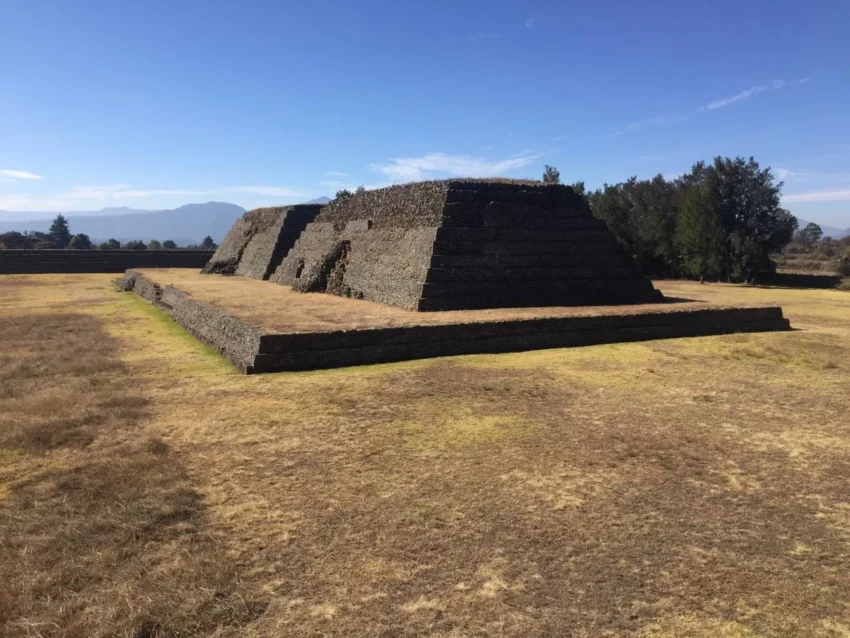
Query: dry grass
x,y
691,487
278,310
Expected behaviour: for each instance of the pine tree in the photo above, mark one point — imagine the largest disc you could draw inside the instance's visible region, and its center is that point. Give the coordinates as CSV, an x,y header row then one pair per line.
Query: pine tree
x,y
699,234
551,175
60,232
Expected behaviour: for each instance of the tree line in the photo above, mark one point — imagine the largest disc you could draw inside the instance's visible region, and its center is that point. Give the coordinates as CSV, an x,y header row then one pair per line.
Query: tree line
x,y
720,221
59,236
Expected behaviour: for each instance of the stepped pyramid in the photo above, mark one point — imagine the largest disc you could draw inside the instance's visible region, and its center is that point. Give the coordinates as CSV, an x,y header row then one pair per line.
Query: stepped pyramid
x,y
259,240
465,244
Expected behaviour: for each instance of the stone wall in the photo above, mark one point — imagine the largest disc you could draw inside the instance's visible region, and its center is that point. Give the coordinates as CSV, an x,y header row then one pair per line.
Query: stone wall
x,y
259,240
254,351
232,337
97,261
465,244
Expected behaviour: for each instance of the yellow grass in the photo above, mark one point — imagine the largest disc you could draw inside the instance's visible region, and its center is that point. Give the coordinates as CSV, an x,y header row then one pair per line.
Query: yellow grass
x,y
692,487
277,309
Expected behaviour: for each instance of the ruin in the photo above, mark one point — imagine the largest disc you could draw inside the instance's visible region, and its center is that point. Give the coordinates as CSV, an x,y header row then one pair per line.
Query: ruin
x,y
465,244
259,240
264,328
521,265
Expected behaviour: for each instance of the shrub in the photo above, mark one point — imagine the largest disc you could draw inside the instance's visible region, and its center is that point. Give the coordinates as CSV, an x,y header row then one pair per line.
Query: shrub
x,y
844,265
80,242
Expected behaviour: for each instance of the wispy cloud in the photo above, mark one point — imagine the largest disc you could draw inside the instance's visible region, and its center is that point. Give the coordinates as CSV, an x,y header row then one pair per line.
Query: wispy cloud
x,y
87,197
529,22
432,165
711,106
558,138
18,175
784,174
484,36
272,191
654,121
743,95
336,174
838,195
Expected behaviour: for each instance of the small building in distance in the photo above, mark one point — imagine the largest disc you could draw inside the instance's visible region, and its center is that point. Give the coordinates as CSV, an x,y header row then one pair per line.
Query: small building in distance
x,y
259,240
465,244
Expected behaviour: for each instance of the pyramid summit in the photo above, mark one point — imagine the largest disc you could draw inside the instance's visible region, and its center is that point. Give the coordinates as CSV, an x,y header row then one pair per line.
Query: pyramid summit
x,y
465,244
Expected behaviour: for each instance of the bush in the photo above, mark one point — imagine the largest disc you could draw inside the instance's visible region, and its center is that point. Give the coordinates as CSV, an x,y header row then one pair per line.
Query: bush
x,y
80,242
844,265
845,285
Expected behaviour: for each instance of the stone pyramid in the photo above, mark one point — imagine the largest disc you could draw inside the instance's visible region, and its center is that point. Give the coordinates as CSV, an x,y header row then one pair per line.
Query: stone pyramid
x,y
259,240
465,244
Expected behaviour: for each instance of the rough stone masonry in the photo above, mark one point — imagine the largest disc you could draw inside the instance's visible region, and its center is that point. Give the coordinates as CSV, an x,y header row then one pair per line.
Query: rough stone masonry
x,y
259,240
465,244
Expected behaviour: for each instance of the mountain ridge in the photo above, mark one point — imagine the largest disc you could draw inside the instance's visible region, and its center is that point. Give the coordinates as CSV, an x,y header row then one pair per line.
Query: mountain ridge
x,y
187,224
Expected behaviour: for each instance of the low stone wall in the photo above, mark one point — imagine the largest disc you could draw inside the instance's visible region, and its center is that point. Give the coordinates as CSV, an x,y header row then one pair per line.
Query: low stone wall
x,y
254,351
15,262
236,340
803,280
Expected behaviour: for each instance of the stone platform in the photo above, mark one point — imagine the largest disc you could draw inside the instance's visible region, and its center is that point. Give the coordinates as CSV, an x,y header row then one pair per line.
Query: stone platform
x,y
262,327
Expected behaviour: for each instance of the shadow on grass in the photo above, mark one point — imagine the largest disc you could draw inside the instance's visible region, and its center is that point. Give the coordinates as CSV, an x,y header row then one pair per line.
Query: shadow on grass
x,y
101,529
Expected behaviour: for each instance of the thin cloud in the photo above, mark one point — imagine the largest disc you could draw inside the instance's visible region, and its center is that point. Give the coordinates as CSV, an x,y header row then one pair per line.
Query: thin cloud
x,y
838,195
558,138
16,175
711,106
273,191
433,165
484,36
529,23
87,197
743,95
336,174
655,121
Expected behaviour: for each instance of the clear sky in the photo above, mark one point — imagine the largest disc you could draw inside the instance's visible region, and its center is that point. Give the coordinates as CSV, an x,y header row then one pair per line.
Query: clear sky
x,y
158,103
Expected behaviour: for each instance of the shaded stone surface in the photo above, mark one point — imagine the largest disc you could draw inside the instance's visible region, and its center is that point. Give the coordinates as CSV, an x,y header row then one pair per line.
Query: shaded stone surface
x,y
36,261
464,244
259,240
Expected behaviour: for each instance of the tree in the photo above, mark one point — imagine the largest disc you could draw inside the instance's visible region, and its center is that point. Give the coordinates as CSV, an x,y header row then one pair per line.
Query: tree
x,y
208,243
14,239
169,244
551,175
360,190
154,244
113,244
746,200
60,232
699,234
811,234
135,244
344,193
80,242
578,187
844,265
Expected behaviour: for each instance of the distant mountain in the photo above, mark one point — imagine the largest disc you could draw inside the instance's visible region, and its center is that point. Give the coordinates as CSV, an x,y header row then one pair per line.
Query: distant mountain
x,y
835,233
185,225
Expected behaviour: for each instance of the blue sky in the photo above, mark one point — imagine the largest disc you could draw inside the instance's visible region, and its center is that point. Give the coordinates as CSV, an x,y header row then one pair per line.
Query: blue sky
x,y
155,104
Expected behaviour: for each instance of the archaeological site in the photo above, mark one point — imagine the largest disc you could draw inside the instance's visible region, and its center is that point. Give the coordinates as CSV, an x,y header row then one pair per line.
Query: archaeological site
x,y
422,270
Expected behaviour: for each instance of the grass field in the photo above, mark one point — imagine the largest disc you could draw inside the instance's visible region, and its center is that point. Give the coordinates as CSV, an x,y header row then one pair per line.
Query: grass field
x,y
696,487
